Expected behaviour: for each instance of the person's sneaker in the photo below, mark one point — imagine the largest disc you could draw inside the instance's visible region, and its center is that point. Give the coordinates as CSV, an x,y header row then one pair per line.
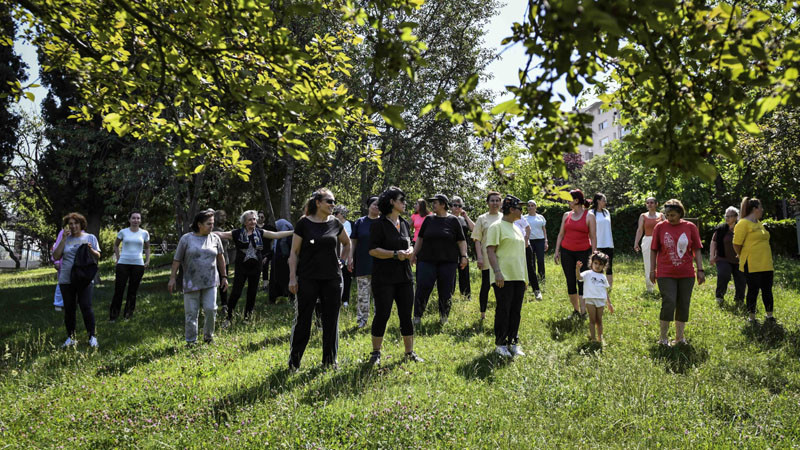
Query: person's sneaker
x,y
225,324
663,342
68,343
412,356
516,350
58,308
190,344
417,321
375,358
502,350
93,342
442,320
575,315
538,295
679,342
208,341
720,301
345,304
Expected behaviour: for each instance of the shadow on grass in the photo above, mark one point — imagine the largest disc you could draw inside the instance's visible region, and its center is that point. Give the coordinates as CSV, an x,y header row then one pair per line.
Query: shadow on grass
x,y
483,367
561,328
124,364
350,382
279,381
589,348
678,358
734,308
467,331
767,335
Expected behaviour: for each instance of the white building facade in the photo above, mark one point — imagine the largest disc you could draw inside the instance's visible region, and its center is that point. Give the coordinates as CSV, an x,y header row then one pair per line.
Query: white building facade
x,y
605,129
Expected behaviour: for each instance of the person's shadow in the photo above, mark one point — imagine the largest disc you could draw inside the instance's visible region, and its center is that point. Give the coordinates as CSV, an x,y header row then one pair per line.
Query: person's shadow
x,y
767,335
678,358
560,329
483,367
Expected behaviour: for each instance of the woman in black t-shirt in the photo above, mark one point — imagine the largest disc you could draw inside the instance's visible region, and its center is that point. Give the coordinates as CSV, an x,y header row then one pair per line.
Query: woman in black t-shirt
x,y
314,273
390,248
439,251
250,250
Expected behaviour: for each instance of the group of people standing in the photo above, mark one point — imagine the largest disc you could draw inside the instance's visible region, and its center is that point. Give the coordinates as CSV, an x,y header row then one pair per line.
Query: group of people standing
x,y
379,249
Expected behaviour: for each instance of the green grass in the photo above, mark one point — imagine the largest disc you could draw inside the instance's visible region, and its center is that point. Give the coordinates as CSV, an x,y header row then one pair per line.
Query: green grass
x,y
733,386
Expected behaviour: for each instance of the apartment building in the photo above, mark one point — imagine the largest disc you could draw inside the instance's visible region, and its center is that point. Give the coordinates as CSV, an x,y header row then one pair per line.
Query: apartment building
x,y
605,129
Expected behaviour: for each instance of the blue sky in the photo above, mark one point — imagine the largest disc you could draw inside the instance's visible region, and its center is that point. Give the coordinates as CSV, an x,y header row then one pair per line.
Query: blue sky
x,y
504,69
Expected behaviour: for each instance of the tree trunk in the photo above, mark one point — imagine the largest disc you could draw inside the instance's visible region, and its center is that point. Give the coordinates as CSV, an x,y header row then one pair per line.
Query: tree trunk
x,y
262,175
286,197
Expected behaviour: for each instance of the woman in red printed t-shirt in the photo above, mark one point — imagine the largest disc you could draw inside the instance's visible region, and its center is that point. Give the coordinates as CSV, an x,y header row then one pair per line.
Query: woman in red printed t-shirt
x,y
576,242
676,243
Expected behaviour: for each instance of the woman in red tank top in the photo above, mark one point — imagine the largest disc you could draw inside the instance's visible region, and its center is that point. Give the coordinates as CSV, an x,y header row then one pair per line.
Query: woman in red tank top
x,y
576,242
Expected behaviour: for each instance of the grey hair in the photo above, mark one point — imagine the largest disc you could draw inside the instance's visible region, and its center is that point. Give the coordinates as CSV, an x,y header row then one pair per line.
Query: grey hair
x,y
732,208
457,198
249,212
340,209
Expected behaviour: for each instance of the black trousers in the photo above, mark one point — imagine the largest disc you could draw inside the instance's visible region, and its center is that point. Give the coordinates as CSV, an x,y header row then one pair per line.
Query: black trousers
x,y
532,278
223,295
279,281
463,281
347,282
329,292
756,281
483,297
509,310
131,275
73,298
568,261
251,277
387,293
726,270
538,250
428,274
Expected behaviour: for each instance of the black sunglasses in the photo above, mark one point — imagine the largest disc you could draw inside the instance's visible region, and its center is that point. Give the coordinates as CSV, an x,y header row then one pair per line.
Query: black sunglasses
x,y
457,205
330,201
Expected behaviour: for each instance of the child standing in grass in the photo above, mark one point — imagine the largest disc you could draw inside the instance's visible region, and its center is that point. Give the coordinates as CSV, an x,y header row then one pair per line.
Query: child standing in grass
x,y
595,286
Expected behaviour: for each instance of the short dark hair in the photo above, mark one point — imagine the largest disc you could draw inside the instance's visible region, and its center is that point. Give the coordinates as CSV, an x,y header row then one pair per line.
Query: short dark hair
x,y
77,217
491,193
386,197
311,204
372,199
201,217
600,256
676,205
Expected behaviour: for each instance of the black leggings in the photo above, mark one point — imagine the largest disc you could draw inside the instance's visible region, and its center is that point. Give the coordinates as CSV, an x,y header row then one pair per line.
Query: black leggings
x,y
756,281
347,279
223,294
443,275
385,294
74,298
124,273
508,312
483,297
329,292
533,280
252,279
463,281
568,261
538,250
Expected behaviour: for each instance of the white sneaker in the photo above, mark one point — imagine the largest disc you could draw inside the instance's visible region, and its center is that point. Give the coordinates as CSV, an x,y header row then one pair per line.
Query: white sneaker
x,y
502,350
68,343
516,350
345,304
538,295
443,319
720,301
93,342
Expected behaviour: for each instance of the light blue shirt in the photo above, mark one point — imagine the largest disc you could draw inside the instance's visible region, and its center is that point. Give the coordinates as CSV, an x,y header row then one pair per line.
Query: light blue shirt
x,y
537,223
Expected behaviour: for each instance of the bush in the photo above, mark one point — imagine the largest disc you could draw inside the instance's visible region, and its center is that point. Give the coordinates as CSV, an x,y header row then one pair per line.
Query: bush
x,y
782,235
106,238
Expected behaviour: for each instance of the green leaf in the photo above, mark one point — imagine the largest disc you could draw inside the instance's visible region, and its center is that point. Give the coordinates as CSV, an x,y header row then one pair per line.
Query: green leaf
x,y
508,106
392,114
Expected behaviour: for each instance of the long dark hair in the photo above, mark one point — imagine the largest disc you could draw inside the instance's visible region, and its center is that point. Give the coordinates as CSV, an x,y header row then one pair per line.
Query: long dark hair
x,y
422,207
386,197
596,203
577,195
748,205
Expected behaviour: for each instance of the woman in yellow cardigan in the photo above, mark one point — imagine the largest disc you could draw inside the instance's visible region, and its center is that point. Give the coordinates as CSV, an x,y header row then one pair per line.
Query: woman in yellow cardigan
x,y
751,243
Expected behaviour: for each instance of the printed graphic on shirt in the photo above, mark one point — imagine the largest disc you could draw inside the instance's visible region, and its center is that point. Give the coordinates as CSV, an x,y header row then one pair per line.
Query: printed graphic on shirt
x,y
675,251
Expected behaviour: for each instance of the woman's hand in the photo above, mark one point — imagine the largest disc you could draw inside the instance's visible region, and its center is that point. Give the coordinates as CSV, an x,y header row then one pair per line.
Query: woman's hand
x,y
498,279
351,266
653,276
171,285
223,284
293,285
464,261
713,259
636,248
701,277
557,257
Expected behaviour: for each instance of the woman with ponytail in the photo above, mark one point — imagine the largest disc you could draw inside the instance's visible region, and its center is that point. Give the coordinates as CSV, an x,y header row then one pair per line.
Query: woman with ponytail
x,y
577,241
751,243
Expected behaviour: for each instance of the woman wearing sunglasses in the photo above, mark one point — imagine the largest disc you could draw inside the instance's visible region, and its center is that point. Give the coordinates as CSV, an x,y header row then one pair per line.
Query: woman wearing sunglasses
x,y
315,273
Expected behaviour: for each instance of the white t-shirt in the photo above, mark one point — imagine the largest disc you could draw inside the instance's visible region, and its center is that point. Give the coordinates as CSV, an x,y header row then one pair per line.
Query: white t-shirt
x,y
604,237
537,223
132,246
522,224
594,284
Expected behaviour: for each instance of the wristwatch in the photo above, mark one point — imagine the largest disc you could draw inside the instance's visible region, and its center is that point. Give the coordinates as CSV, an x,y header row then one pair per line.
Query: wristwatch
x,y
395,255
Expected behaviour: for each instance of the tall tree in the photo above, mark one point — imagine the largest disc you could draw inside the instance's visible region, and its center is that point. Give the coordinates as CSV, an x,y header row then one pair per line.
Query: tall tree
x,y
12,71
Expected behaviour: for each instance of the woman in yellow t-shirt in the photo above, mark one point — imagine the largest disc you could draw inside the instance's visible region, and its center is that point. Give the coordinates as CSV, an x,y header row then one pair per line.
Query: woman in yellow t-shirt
x,y
751,243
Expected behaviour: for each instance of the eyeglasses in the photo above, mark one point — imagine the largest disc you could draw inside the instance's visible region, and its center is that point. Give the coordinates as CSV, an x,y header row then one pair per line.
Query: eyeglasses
x,y
456,205
330,201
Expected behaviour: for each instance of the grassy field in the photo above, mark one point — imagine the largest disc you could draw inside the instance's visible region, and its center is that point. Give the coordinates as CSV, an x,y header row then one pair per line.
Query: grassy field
x,y
734,385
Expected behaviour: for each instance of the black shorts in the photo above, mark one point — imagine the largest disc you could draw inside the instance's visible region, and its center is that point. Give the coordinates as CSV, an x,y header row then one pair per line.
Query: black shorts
x,y
610,253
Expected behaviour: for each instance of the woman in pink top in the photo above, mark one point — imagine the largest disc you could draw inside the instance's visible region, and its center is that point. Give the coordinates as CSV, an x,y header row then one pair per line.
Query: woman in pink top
x,y
420,213
576,241
676,243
